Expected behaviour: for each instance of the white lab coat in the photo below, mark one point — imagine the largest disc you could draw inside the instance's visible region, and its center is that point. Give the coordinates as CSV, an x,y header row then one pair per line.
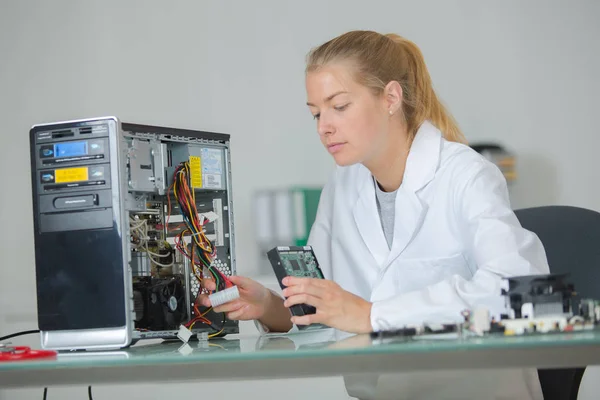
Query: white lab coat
x,y
455,236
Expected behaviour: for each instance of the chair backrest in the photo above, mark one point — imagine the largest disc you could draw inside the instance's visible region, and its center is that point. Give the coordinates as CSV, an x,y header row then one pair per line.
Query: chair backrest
x,y
571,238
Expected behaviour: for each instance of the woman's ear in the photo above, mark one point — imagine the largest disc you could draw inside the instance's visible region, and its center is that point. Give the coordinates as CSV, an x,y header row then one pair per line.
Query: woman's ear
x,y
392,94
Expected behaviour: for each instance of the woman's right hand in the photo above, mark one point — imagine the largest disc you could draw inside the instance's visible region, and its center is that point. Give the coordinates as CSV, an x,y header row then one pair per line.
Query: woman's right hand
x,y
253,302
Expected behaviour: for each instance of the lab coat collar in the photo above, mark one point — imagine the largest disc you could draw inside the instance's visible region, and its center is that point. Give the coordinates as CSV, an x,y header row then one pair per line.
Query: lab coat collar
x,y
423,158
422,163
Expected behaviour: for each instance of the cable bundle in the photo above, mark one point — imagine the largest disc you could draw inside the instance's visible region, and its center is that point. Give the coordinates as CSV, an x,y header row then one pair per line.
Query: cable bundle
x,y
186,197
202,251
139,229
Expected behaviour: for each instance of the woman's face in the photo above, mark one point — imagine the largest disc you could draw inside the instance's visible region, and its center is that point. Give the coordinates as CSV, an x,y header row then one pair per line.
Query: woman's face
x,y
352,122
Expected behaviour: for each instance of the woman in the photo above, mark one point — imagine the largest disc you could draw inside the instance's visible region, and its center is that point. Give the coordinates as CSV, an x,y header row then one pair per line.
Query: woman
x,y
414,226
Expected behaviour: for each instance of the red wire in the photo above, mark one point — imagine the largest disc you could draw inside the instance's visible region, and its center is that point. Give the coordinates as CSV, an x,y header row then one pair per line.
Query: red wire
x,y
190,209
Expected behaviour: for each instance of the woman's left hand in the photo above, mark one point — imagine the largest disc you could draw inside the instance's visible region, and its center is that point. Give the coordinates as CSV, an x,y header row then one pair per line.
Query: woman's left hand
x,y
336,307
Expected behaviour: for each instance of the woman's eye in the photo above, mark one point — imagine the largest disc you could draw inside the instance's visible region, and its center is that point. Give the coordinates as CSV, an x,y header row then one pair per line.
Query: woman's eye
x,y
316,116
341,108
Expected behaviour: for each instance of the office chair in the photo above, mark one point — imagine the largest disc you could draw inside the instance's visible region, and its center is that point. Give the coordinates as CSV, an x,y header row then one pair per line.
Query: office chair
x,y
571,238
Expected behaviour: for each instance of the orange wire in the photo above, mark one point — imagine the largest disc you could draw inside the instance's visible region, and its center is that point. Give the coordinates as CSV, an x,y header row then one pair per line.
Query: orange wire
x,y
186,190
205,245
180,237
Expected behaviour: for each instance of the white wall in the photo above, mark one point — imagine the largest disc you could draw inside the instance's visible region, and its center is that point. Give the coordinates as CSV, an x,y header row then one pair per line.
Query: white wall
x,y
523,73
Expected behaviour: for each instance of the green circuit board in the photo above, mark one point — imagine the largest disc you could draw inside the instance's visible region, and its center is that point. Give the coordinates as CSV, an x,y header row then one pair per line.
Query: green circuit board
x,y
300,263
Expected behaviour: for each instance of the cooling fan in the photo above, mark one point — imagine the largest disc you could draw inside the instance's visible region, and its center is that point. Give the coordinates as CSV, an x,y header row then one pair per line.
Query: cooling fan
x,y
159,303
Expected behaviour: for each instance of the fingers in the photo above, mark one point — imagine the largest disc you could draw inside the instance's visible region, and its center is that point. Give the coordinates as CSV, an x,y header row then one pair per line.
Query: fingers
x,y
208,284
203,300
306,319
302,299
238,313
295,280
306,287
242,282
230,306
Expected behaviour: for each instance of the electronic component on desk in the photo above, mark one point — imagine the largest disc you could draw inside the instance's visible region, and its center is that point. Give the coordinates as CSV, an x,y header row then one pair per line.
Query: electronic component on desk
x,y
478,321
103,191
589,310
545,324
540,304
521,326
535,304
481,321
421,331
296,261
538,295
396,333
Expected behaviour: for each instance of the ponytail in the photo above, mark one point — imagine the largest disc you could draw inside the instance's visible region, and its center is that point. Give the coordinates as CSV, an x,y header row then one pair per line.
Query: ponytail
x,y
384,58
422,103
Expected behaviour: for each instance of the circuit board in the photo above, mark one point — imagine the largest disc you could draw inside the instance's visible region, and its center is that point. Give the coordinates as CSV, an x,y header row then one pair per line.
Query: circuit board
x,y
300,263
297,261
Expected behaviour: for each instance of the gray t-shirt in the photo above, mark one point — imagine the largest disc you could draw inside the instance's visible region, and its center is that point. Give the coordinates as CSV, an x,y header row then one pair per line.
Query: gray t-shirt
x,y
386,206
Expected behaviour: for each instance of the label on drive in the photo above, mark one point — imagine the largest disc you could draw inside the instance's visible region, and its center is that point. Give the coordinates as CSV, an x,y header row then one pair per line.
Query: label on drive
x,y
195,172
71,175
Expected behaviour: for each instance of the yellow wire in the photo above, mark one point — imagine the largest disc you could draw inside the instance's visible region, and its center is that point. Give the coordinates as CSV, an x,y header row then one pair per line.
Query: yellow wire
x,y
175,193
202,315
175,189
205,244
215,334
200,233
193,220
187,167
212,335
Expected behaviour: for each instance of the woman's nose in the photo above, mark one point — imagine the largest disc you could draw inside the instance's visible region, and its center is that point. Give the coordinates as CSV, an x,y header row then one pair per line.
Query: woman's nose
x,y
324,126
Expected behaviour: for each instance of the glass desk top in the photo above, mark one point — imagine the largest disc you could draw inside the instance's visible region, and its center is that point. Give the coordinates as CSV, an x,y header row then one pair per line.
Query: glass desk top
x,y
316,353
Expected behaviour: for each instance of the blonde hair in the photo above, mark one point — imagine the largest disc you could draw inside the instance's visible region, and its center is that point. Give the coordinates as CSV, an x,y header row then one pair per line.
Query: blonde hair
x,y
380,59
